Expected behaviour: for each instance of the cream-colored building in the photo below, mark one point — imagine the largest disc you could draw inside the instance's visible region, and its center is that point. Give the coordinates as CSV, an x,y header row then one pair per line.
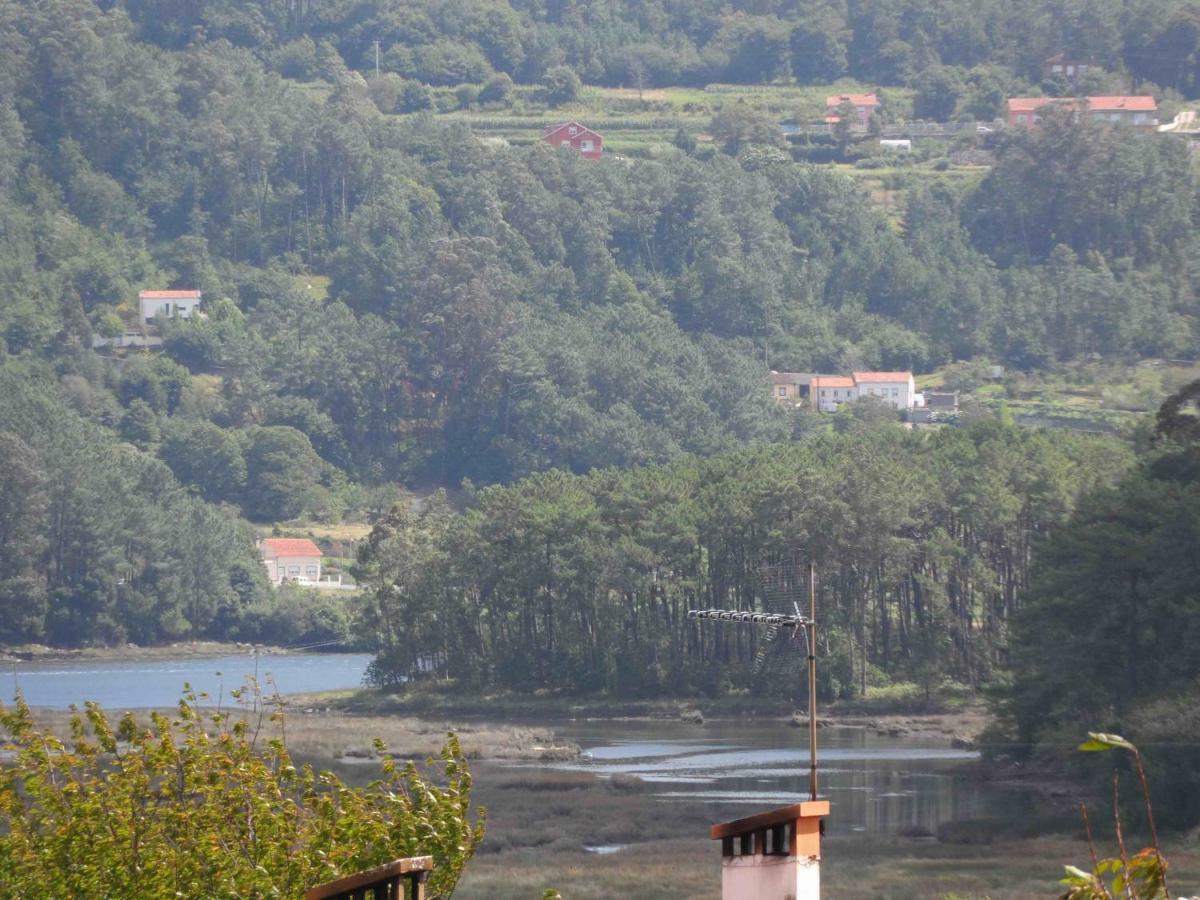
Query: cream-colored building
x,y
291,559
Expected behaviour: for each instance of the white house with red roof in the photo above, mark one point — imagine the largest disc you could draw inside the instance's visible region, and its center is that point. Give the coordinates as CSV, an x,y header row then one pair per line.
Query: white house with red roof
x,y
827,392
864,106
167,305
1137,111
291,559
587,143
896,388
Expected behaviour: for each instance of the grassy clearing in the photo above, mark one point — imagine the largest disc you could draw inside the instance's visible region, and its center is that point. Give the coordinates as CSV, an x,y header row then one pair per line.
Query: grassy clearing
x,y
1096,395
634,123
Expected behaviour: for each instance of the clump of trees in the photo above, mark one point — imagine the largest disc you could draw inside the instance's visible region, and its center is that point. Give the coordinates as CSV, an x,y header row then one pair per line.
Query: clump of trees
x,y
924,544
210,804
1107,633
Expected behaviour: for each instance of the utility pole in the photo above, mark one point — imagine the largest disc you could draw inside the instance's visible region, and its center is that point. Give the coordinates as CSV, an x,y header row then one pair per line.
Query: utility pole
x,y
376,43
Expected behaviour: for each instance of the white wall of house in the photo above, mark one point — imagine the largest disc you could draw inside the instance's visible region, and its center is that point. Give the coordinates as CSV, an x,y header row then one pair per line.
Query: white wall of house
x,y
176,308
828,399
900,394
293,568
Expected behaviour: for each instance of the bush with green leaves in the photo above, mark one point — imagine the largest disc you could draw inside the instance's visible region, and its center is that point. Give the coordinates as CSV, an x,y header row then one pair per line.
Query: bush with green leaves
x,y
208,803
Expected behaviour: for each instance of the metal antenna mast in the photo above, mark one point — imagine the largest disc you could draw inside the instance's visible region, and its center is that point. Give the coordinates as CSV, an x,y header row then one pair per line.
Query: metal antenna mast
x,y
799,624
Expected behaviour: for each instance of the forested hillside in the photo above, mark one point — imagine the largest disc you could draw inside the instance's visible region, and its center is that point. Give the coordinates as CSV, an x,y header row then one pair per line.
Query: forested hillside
x,y
667,42
394,299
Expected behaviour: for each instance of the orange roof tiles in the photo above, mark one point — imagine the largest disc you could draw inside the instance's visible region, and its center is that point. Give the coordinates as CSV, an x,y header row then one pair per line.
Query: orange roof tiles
x,y
170,295
1103,104
1133,104
832,381
289,547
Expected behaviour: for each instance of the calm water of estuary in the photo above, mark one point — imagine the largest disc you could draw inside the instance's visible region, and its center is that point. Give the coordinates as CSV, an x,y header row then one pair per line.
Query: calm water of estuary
x,y
140,684
878,784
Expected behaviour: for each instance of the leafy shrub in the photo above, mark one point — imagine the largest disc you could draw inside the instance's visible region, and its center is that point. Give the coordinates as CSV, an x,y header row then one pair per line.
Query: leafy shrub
x,y
194,806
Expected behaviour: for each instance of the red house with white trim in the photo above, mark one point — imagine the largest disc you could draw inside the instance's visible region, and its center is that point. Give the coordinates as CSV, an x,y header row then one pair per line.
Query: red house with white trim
x,y
583,140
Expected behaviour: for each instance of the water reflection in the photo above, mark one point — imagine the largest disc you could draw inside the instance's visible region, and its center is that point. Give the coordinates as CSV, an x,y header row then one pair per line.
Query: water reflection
x,y
877,784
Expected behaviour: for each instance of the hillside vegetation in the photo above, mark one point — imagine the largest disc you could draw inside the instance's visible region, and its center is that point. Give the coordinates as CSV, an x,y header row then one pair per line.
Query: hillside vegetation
x,y
394,298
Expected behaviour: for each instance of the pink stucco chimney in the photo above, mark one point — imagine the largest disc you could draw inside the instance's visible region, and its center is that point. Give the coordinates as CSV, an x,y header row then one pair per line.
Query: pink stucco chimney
x,y
774,855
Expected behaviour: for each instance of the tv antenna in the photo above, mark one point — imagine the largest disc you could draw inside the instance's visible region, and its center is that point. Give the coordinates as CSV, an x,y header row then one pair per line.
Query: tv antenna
x,y
785,627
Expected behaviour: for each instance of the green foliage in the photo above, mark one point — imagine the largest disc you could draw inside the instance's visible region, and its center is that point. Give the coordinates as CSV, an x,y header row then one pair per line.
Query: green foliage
x,y
1105,633
1142,876
562,85
101,543
490,311
583,582
210,804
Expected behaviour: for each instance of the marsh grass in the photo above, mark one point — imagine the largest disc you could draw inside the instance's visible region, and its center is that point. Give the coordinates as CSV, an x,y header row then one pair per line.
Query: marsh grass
x,y
328,736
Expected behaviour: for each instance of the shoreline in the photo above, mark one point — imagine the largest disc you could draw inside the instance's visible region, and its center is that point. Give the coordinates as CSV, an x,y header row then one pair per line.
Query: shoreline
x,y
135,652
959,725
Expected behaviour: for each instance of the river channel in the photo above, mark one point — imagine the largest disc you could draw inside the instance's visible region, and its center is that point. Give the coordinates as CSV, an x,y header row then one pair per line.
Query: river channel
x,y
880,784
148,683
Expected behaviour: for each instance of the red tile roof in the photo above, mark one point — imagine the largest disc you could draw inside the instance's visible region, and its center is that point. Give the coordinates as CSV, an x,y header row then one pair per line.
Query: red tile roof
x,y
890,377
288,547
1106,104
1133,104
170,295
1032,104
832,102
832,381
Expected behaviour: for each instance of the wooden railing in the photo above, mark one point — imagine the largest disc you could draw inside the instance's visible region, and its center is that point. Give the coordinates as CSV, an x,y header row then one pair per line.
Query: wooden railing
x,y
384,882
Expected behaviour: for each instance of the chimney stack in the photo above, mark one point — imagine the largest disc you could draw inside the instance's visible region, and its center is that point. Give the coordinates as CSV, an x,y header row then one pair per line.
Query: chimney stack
x,y
774,855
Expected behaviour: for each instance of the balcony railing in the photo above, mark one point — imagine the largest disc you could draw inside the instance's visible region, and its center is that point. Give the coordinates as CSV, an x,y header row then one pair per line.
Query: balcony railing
x,y
384,882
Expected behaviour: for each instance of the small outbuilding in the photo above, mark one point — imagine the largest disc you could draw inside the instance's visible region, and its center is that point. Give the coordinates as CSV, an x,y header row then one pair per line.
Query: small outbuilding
x,y
587,143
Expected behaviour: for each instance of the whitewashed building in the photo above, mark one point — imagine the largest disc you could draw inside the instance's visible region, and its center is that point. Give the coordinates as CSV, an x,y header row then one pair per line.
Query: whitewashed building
x,y
291,559
167,304
828,392
895,388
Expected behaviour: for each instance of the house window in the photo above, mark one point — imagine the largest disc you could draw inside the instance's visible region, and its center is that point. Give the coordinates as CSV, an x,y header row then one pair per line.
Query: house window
x,y
572,130
565,144
585,146
293,570
783,392
1021,120
310,571
895,392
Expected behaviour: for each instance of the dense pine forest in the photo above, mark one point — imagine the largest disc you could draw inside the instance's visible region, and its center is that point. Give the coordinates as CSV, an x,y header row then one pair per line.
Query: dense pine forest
x,y
577,349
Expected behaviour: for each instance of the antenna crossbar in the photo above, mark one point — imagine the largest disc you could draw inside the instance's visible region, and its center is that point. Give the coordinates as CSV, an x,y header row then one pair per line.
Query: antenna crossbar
x,y
800,624
750,618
